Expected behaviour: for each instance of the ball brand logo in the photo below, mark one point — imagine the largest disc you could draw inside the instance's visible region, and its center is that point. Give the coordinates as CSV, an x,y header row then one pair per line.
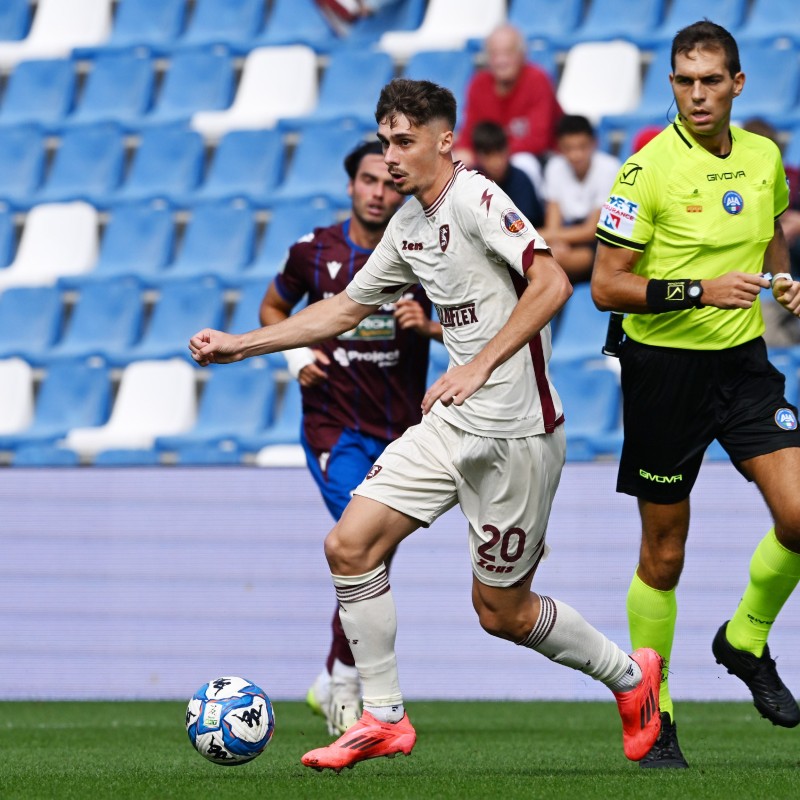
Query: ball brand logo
x,y
512,222
444,236
732,202
785,418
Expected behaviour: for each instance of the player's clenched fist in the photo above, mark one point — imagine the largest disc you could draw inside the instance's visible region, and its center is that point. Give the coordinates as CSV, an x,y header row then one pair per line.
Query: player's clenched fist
x,y
215,347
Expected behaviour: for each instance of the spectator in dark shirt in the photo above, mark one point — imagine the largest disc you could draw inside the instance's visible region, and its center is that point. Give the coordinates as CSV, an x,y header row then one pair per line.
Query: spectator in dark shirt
x,y
493,159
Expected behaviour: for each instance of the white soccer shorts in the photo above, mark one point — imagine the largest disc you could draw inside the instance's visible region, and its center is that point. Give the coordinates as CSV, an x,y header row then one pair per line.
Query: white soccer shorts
x,y
505,488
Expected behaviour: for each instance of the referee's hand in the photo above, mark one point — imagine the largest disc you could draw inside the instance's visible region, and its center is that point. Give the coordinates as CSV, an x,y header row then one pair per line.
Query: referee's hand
x,y
786,291
733,290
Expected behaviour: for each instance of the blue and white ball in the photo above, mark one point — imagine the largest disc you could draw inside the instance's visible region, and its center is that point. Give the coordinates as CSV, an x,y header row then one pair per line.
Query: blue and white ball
x,y
230,721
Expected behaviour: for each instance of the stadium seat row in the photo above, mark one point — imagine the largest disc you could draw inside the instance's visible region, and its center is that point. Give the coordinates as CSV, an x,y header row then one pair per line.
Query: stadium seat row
x,y
402,28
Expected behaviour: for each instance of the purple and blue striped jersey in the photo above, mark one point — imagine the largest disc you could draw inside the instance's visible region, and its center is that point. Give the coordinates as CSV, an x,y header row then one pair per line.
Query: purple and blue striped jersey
x,y
377,374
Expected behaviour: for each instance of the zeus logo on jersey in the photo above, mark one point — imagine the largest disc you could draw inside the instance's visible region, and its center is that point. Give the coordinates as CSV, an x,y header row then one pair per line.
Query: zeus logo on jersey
x,y
619,215
456,316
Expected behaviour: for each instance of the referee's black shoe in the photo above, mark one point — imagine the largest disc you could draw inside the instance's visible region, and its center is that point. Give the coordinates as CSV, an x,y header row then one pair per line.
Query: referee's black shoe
x,y
666,752
771,697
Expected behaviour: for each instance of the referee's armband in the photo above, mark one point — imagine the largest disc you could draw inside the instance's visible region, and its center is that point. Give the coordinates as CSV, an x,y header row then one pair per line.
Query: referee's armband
x,y
673,295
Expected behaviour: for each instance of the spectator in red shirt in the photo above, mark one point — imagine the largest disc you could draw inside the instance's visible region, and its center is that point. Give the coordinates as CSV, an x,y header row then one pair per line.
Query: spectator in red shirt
x,y
515,94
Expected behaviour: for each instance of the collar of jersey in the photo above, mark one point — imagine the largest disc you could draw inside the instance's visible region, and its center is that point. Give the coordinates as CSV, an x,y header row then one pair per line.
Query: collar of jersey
x,y
434,206
350,242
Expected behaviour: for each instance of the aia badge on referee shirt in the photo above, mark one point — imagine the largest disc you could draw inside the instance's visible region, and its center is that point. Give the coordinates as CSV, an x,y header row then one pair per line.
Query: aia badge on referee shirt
x,y
444,236
785,418
732,202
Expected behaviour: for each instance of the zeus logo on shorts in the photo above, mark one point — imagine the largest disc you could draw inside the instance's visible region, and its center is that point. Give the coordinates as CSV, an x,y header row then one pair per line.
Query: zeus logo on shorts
x,y
785,418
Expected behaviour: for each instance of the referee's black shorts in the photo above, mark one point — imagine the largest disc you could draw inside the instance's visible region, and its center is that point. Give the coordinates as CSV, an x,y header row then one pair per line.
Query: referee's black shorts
x,y
676,402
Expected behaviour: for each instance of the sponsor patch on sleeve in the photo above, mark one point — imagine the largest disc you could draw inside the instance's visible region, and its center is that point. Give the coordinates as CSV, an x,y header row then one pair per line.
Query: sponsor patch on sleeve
x,y
619,215
512,223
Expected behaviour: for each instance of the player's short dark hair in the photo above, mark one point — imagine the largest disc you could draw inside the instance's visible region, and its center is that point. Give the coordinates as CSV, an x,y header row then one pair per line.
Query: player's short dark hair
x,y
574,123
489,137
419,101
353,159
705,33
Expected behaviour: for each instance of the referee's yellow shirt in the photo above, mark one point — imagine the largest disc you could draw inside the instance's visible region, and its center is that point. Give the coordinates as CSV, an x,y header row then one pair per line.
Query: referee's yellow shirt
x,y
695,215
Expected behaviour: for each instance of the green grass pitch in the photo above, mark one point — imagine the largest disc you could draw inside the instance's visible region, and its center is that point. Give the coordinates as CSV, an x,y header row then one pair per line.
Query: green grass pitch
x,y
464,750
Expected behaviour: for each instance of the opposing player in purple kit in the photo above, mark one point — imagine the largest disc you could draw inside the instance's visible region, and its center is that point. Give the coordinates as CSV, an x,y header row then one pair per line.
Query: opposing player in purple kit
x,y
361,390
491,437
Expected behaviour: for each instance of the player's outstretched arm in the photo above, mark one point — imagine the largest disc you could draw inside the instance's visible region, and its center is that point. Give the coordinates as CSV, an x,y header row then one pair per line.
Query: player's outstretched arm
x,y
547,291
313,324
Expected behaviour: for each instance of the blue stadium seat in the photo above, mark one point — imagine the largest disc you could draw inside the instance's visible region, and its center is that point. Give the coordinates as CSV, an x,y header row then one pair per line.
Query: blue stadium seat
x,y
15,19
44,455
87,166
22,162
296,22
404,16
728,13
773,79
246,164
349,68
317,168
286,427
7,236
581,330
121,457
771,19
207,454
238,400
138,241
604,22
30,321
155,23
545,20
119,88
40,91
197,80
183,308
289,221
450,68
73,394
590,396
168,163
107,317
787,360
219,241
791,154
226,22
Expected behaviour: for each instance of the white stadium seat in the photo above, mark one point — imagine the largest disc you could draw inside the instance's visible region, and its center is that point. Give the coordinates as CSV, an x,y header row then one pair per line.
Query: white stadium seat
x,y
277,82
16,397
58,26
448,25
155,398
58,239
601,78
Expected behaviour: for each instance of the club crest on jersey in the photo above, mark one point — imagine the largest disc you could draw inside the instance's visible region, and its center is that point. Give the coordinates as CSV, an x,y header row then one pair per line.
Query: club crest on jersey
x,y
785,418
512,223
376,468
444,236
732,202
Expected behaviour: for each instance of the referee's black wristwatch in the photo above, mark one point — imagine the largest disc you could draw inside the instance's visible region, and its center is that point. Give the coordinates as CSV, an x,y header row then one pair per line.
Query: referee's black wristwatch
x,y
694,291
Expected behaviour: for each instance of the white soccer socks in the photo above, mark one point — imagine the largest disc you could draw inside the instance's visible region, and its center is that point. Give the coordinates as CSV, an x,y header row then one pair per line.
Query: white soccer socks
x,y
367,612
564,636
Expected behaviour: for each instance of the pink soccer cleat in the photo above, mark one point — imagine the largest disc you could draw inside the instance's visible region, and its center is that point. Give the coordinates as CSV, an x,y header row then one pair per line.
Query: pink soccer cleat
x,y
641,720
368,738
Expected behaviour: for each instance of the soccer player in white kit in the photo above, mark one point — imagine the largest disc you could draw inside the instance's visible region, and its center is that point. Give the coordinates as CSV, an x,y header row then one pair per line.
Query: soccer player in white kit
x,y
491,438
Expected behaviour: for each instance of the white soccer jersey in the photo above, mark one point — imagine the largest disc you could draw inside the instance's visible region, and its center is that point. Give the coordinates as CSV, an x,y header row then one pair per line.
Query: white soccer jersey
x,y
468,250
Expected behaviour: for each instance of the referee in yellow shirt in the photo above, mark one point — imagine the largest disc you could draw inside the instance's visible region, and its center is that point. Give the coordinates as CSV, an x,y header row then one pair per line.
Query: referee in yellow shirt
x,y
689,230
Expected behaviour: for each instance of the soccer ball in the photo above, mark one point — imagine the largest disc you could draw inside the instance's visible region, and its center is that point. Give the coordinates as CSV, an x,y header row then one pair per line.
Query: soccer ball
x,y
230,721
